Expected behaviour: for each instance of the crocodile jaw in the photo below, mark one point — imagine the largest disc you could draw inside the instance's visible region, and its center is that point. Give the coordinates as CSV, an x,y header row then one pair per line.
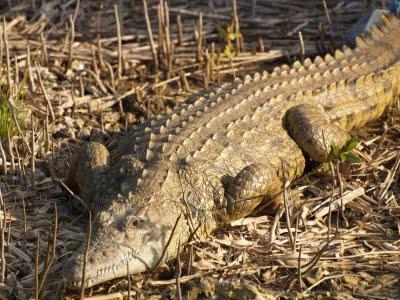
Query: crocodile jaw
x,y
113,264
126,241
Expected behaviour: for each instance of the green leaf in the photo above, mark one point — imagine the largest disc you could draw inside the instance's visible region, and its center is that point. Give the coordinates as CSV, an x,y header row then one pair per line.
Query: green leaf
x,y
233,36
335,150
350,145
326,167
350,158
222,32
228,51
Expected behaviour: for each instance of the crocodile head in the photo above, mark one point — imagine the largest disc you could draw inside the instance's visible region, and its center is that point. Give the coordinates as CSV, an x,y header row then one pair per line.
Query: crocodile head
x,y
123,239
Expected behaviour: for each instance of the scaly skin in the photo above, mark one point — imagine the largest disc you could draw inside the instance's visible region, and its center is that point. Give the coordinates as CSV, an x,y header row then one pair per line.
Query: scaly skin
x,y
221,154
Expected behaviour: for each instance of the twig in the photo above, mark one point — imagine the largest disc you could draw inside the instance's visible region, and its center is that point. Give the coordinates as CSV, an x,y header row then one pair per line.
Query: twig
x,y
302,48
76,12
5,41
299,268
160,260
333,205
150,35
199,38
180,30
342,205
73,194
328,17
178,273
2,244
288,223
25,220
51,251
46,97
3,159
71,42
120,54
37,265
239,39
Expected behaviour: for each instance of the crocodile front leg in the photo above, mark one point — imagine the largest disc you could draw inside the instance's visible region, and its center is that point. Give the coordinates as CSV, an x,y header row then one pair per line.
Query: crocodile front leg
x,y
254,184
312,131
87,168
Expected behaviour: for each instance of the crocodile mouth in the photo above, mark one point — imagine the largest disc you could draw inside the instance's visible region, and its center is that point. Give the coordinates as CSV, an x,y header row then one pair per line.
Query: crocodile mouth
x,y
102,266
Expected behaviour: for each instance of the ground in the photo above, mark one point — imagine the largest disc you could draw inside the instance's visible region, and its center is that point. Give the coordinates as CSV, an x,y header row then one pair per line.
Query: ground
x,y
70,75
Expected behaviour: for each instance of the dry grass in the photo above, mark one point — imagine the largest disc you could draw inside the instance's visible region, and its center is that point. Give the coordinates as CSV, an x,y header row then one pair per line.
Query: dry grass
x,y
82,78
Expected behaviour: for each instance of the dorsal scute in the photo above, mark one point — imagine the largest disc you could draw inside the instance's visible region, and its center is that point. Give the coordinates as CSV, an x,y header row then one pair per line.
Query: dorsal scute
x,y
360,42
318,60
339,54
329,58
307,62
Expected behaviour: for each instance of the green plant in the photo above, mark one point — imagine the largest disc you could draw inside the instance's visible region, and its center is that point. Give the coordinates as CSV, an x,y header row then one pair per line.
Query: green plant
x,y
342,154
12,111
229,35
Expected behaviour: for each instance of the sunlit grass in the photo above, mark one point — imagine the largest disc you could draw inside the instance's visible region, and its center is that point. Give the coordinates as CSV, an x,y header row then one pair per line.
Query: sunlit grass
x,y
11,107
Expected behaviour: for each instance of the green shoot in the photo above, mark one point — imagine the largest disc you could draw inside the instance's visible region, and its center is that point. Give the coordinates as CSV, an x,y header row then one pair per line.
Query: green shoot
x,y
342,154
229,36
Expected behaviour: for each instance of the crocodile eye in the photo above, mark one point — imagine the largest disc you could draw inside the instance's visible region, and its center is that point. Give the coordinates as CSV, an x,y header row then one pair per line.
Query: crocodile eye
x,y
132,222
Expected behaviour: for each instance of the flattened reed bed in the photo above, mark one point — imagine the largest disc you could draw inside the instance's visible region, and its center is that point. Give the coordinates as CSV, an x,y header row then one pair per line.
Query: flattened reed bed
x,y
74,76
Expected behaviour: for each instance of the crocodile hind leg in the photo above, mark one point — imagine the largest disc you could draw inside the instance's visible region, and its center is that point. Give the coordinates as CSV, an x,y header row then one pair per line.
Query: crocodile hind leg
x,y
254,184
87,167
312,131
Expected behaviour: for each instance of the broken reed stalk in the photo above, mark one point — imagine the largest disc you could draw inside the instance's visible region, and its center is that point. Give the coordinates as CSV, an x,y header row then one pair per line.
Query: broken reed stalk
x,y
180,29
76,12
178,273
46,97
342,206
94,62
4,159
10,147
44,49
161,25
33,181
328,17
239,39
199,38
2,243
5,41
10,222
299,269
150,35
30,73
21,171
37,265
10,151
183,81
288,223
88,236
71,42
119,39
16,70
168,242
25,219
168,44
51,250
99,52
302,48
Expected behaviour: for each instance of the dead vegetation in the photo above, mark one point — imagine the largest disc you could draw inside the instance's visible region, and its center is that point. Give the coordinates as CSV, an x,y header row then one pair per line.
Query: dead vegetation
x,y
75,71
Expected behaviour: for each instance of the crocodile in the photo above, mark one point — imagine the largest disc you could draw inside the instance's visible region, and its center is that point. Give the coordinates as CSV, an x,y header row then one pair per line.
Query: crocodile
x,y
222,153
